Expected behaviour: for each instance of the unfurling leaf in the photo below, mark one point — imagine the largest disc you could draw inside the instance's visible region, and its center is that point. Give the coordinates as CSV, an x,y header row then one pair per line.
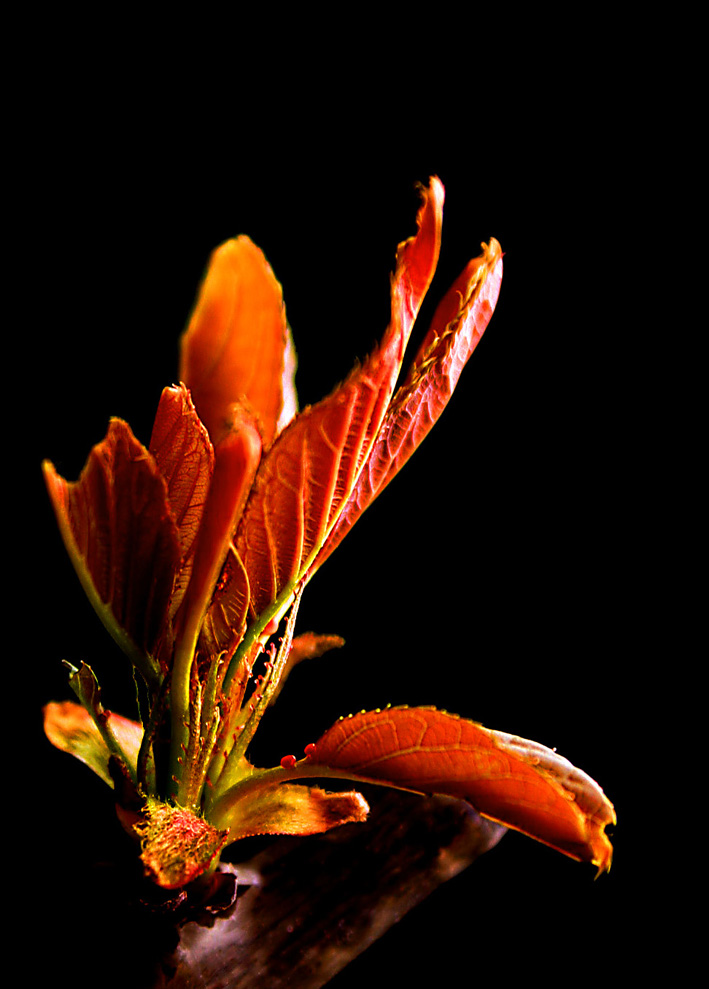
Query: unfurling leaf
x,y
458,324
70,728
307,645
519,783
193,551
123,541
237,346
236,459
289,809
306,478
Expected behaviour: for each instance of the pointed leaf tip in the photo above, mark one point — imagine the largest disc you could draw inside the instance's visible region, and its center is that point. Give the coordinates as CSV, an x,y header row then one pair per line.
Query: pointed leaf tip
x,y
118,527
458,324
184,454
237,345
416,260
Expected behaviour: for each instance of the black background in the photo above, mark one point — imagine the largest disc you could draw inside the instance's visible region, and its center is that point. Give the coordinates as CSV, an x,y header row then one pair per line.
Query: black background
x,y
504,575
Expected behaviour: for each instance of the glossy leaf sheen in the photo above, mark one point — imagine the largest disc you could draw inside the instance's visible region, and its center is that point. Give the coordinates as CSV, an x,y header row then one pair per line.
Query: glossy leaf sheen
x,y
519,783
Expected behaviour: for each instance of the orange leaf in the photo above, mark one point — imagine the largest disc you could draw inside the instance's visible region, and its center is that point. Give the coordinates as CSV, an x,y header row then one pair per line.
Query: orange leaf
x,y
308,645
237,457
309,473
70,728
122,539
184,455
457,326
237,345
519,783
289,809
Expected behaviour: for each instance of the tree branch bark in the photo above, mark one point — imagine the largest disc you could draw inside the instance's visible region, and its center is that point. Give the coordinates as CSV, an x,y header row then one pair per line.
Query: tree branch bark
x,y
316,903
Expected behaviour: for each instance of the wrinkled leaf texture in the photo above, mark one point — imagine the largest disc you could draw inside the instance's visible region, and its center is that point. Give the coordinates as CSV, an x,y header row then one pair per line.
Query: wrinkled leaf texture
x,y
131,522
119,530
335,457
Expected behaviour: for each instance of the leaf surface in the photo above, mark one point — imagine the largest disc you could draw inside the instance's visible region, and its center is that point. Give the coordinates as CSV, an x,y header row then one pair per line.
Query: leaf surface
x,y
70,728
183,452
309,473
236,459
519,783
457,326
237,345
118,528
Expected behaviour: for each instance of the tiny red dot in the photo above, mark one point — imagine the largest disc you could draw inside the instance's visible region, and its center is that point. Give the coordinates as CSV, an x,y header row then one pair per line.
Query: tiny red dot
x,y
288,761
310,750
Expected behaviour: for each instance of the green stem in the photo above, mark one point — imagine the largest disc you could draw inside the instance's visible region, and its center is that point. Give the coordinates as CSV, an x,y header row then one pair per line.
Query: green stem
x,y
232,766
146,755
180,704
83,682
236,672
303,769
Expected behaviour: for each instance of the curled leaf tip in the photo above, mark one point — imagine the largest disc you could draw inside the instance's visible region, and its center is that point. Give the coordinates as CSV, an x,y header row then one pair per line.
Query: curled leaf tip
x,y
288,808
237,345
517,782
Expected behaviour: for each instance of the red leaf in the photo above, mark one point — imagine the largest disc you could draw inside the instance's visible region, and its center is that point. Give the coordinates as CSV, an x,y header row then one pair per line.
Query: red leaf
x,y
237,345
308,475
237,457
458,325
122,539
184,455
519,783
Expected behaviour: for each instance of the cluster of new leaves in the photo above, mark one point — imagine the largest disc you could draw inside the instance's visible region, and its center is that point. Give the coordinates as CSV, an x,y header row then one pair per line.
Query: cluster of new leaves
x,y
194,549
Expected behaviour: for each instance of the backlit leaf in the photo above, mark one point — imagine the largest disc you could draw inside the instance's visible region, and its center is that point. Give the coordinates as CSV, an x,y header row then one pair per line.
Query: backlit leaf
x,y
519,783
237,346
457,326
183,452
118,528
236,460
308,645
69,727
309,473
